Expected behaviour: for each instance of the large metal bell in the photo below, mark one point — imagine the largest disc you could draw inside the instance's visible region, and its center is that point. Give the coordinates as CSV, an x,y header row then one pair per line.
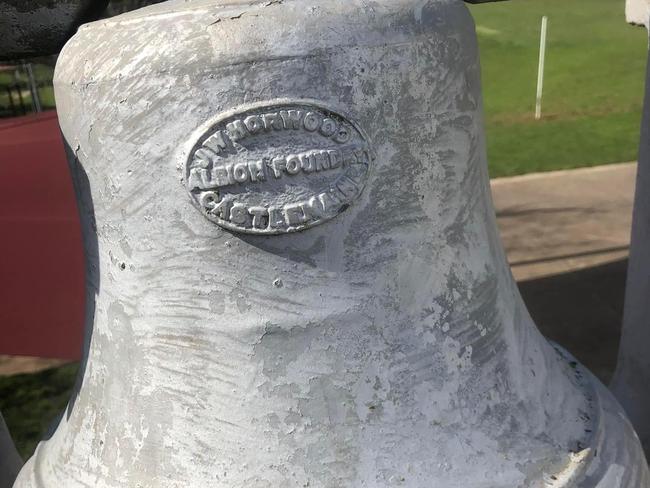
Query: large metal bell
x,y
294,274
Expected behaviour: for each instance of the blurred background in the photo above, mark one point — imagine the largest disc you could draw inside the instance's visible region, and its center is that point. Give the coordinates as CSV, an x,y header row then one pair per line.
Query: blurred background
x,y
593,84
566,233
26,85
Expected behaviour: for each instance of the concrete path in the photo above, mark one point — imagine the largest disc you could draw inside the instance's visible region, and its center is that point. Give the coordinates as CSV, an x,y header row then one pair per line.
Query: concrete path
x,y
565,220
567,234
11,365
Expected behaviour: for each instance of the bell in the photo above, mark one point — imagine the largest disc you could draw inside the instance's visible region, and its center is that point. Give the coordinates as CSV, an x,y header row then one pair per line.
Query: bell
x,y
294,274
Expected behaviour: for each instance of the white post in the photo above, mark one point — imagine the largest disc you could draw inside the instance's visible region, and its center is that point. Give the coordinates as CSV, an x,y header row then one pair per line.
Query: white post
x,y
540,70
33,88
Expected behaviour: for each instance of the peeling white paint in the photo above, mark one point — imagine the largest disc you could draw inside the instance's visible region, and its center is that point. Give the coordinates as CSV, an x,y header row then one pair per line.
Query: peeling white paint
x,y
397,351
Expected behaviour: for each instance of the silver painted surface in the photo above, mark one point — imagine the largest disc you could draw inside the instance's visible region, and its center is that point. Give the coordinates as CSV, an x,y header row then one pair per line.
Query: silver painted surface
x,y
278,167
388,346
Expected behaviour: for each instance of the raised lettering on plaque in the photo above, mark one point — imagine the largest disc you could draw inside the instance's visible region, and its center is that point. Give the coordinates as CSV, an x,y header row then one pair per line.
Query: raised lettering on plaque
x,y
278,168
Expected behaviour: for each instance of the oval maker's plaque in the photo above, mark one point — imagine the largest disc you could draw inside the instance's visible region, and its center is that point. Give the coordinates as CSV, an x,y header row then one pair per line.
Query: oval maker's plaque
x,y
277,168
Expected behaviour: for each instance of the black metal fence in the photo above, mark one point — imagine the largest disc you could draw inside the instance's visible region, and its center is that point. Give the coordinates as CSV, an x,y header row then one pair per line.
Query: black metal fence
x,y
25,88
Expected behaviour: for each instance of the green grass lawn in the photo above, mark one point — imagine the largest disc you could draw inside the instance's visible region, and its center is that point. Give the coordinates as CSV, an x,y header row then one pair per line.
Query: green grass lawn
x,y
31,402
593,88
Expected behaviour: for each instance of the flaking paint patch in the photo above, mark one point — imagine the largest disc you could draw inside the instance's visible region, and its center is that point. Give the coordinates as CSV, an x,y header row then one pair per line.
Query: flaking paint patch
x,y
397,351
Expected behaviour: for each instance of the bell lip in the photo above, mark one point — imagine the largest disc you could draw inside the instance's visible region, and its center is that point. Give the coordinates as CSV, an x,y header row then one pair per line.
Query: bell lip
x,y
610,429
580,460
612,436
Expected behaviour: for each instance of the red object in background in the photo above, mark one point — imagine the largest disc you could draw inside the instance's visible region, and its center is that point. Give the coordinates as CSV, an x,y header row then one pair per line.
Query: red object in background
x,y
41,253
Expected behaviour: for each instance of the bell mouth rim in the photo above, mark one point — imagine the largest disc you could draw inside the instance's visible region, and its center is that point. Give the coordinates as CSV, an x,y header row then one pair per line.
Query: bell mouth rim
x,y
580,460
610,431
612,443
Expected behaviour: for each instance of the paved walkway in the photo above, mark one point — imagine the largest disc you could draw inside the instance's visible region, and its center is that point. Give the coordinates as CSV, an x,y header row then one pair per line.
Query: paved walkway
x,y
567,235
565,220
11,365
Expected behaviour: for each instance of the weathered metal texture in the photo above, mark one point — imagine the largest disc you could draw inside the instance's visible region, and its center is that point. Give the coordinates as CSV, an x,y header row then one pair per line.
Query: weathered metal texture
x,y
631,383
384,345
10,462
39,27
